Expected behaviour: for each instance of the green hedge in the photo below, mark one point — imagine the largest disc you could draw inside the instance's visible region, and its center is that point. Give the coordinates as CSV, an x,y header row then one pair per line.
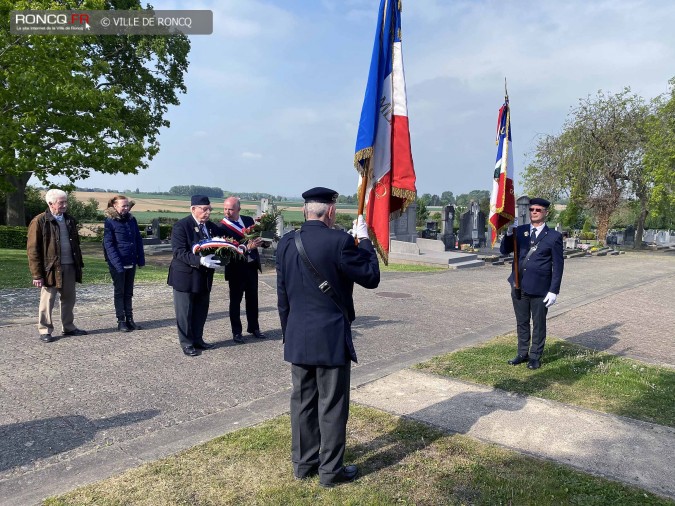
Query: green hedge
x,y
13,237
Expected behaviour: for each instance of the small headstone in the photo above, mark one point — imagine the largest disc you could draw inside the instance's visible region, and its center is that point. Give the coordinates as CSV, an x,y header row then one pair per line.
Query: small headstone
x,y
155,228
403,227
264,206
447,233
629,236
472,227
523,205
571,243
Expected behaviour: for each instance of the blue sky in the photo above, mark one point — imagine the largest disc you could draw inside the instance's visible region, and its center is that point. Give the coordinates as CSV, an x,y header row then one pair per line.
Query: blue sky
x,y
275,93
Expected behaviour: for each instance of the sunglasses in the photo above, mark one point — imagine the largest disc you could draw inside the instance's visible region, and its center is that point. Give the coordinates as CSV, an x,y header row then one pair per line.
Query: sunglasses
x,y
536,210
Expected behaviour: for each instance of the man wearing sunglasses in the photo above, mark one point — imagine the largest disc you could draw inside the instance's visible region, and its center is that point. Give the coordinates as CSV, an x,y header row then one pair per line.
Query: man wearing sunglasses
x,y
540,269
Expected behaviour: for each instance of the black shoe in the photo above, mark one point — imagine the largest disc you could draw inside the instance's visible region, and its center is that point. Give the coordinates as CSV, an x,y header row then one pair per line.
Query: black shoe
x,y
47,338
258,334
132,324
75,332
534,364
238,338
204,346
190,351
519,359
347,474
123,327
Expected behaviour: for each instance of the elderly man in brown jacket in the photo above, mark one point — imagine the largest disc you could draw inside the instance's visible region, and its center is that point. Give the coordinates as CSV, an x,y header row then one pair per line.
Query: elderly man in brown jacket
x,y
55,262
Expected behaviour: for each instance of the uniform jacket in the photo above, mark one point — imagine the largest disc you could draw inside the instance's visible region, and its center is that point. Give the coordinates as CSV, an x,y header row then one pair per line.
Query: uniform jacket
x,y
542,272
186,274
44,248
122,242
226,231
315,330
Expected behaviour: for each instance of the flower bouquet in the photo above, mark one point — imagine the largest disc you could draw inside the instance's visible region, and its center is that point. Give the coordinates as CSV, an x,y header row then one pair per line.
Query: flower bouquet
x,y
265,226
224,249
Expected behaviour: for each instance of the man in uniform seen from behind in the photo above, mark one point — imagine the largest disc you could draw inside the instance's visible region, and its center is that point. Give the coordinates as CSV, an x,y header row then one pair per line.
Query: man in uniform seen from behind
x,y
316,327
540,268
191,276
55,262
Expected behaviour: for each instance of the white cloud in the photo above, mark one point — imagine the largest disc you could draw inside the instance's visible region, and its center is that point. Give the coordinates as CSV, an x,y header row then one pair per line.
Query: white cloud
x,y
247,155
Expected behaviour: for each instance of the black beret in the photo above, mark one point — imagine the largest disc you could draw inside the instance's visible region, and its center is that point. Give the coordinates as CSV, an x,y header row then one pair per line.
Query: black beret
x,y
540,202
200,200
320,194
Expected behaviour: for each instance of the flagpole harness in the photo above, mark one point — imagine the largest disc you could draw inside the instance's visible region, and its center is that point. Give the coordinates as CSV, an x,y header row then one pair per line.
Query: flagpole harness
x,y
321,283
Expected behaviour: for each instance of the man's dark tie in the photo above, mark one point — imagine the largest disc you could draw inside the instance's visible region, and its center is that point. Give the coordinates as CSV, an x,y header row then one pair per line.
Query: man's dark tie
x,y
534,235
202,229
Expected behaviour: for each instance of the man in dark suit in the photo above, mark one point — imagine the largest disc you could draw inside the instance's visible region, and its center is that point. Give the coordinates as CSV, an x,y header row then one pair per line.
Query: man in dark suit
x,y
540,268
191,276
317,333
242,275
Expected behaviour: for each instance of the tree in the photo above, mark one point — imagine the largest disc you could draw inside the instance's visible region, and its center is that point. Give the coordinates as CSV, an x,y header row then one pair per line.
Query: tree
x,y
34,205
447,198
72,105
422,213
659,166
596,159
187,190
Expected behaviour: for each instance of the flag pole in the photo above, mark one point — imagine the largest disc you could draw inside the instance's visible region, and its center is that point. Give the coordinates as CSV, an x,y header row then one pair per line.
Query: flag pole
x,y
516,270
362,188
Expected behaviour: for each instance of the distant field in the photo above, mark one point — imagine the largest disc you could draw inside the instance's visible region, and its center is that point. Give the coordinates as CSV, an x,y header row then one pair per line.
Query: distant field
x,y
148,216
148,206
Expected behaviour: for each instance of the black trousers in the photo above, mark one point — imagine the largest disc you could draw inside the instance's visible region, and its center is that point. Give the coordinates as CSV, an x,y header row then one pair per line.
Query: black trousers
x,y
191,312
123,291
319,413
243,281
530,341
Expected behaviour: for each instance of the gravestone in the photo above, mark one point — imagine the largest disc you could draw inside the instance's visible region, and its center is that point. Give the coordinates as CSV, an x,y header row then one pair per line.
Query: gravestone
x,y
280,226
522,207
152,233
447,233
472,226
629,236
403,227
155,228
430,231
571,243
262,207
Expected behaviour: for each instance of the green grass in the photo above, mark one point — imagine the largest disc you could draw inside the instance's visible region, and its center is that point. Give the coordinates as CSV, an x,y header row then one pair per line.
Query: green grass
x,y
400,462
410,268
571,374
15,274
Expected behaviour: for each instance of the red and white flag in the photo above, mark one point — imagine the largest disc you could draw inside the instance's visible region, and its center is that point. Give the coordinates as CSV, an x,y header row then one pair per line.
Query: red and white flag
x,y
383,153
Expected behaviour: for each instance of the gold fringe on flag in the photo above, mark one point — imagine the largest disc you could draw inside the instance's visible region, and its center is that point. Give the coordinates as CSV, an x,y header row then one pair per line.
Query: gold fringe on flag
x,y
361,155
378,247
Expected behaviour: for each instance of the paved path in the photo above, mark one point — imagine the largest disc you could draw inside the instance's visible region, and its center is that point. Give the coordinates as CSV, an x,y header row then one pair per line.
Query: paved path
x,y
83,408
621,449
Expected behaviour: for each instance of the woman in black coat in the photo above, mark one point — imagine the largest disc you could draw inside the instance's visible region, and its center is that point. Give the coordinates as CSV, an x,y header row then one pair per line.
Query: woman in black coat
x,y
123,249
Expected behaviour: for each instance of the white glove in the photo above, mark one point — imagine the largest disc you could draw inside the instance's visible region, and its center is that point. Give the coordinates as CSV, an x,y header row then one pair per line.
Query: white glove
x,y
512,227
209,262
360,228
550,298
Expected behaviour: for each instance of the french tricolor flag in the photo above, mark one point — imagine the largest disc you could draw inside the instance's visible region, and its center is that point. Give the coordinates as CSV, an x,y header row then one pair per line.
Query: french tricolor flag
x,y
383,155
502,198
